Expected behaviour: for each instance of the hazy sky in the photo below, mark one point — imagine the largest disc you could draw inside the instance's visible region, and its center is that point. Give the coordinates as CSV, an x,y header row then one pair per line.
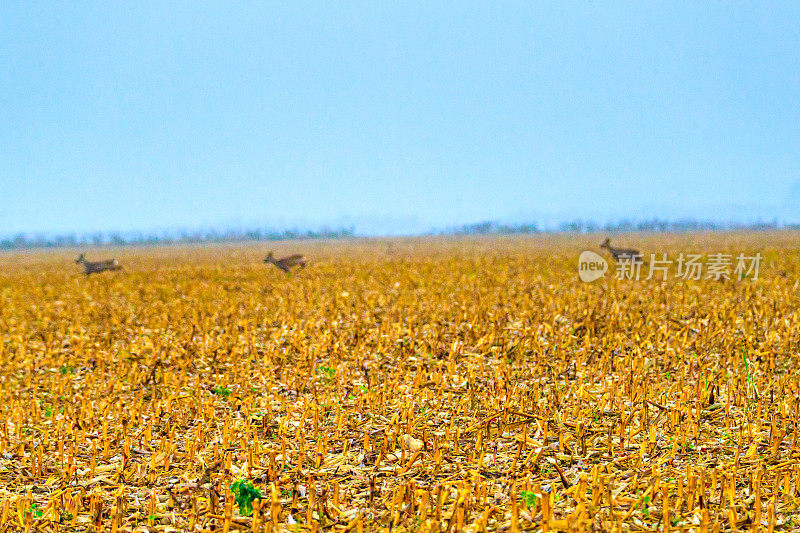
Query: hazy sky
x,y
395,117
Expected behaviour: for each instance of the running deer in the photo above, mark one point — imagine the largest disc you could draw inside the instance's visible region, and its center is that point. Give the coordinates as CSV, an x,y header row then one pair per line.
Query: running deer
x,y
286,263
625,254
90,267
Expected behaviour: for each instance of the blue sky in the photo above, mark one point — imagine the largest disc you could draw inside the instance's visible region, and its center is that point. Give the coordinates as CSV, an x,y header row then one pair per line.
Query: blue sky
x,y
395,117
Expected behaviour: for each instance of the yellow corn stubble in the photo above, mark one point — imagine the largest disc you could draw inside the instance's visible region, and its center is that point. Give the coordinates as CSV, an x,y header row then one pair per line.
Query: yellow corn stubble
x,y
455,384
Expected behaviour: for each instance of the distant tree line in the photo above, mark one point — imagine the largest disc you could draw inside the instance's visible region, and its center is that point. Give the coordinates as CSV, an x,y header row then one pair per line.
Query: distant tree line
x,y
194,237
624,226
492,228
481,228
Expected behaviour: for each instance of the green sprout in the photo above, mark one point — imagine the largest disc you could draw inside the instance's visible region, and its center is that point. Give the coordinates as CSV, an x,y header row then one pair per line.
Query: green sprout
x,y
245,493
328,371
222,391
750,384
529,497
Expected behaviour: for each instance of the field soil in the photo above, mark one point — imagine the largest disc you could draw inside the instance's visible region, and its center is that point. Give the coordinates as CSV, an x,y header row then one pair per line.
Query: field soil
x,y
438,384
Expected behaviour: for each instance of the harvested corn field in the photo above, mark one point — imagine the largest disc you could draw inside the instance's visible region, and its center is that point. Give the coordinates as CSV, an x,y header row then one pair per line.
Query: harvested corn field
x,y
405,385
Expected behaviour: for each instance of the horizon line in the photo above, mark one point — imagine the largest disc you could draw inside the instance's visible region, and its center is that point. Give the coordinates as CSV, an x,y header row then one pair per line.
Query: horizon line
x,y
98,238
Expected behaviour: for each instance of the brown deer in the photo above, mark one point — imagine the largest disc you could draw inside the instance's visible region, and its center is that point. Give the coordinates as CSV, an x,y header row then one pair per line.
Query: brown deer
x,y
286,263
625,254
91,267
